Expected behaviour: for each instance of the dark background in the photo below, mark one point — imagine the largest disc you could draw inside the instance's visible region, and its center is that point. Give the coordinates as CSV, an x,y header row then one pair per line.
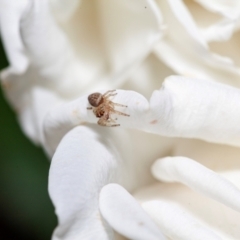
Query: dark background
x,y
26,211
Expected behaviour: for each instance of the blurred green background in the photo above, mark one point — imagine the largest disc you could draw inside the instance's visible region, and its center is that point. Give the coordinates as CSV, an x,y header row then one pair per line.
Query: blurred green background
x,y
26,211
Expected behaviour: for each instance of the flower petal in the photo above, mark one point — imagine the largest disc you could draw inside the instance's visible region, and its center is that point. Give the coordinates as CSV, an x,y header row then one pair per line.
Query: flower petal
x,y
49,50
53,61
109,46
40,38
184,18
229,9
128,40
199,178
212,25
183,107
66,116
10,14
30,32
220,158
228,48
221,31
125,215
203,210
185,50
64,9
147,76
177,223
83,163
196,109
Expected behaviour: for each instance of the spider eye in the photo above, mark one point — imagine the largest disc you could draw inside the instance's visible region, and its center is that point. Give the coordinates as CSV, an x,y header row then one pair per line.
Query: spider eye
x,y
95,99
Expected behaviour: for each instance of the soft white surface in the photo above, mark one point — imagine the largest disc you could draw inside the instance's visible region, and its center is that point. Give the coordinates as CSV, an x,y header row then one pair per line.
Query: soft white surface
x,y
83,163
66,116
184,47
195,108
198,178
11,13
57,60
43,56
177,223
128,39
183,107
229,8
197,208
125,215
64,9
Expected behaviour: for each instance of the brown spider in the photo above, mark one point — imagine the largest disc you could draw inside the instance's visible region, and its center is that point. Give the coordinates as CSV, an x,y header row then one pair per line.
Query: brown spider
x,y
103,108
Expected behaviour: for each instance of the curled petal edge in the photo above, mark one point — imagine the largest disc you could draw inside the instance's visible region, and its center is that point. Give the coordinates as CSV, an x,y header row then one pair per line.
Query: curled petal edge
x,y
125,214
198,178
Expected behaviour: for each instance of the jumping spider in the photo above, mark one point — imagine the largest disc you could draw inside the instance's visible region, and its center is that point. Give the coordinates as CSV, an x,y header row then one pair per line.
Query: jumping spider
x,y
103,108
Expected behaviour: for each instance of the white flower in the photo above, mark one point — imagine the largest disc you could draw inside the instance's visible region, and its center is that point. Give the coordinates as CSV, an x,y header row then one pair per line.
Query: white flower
x,y
61,51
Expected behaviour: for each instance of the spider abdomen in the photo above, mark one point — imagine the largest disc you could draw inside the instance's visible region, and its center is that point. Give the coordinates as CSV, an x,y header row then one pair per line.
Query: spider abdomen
x,y
95,99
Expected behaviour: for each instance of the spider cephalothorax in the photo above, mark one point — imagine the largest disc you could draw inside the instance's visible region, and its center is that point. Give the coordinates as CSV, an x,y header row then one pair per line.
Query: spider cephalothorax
x,y
103,108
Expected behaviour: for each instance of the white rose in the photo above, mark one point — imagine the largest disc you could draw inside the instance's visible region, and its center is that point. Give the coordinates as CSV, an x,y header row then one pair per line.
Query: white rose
x,y
62,51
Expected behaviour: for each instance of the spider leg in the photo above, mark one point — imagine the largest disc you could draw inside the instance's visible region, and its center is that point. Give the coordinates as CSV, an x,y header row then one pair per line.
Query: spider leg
x,y
89,108
109,91
120,105
119,113
105,123
110,95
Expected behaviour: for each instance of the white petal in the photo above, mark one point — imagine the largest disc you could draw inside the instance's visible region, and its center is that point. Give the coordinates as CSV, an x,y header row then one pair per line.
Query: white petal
x,y
50,63
199,178
183,16
85,36
130,38
230,8
42,100
53,60
46,46
33,109
183,107
196,109
64,9
53,63
220,31
188,60
125,214
211,25
10,14
66,116
83,163
109,46
184,48
219,158
148,76
229,48
210,214
177,223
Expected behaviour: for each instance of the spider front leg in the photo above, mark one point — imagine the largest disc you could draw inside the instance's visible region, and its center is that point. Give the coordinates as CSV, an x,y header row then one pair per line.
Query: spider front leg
x,y
109,94
109,91
89,108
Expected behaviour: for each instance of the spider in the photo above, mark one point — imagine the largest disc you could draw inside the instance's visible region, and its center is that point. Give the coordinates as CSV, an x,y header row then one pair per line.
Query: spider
x,y
103,108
